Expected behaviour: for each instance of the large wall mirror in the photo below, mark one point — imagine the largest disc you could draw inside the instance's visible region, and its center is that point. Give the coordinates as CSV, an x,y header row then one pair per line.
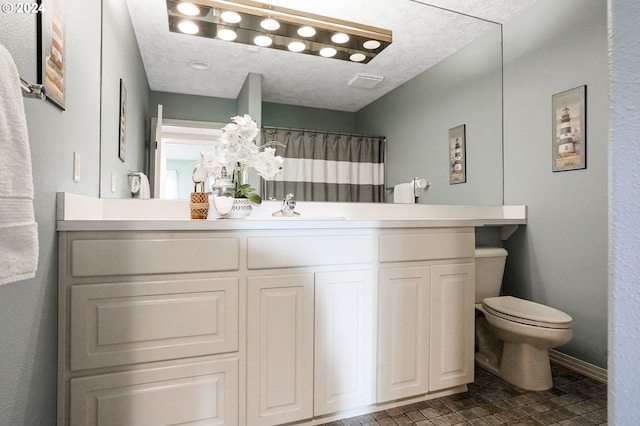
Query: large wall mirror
x,y
443,70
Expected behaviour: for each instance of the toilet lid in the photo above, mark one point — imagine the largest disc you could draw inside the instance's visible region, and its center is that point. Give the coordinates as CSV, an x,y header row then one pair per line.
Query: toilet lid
x,y
526,312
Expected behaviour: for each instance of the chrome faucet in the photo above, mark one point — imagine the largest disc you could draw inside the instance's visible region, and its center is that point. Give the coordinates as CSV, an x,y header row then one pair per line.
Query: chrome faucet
x,y
288,206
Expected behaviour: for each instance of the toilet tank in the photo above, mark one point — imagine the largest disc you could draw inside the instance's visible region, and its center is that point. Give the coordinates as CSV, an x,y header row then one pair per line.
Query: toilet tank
x,y
489,271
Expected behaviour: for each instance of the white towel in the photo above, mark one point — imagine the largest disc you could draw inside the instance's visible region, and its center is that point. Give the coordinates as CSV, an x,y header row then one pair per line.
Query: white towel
x,y
145,191
403,193
18,229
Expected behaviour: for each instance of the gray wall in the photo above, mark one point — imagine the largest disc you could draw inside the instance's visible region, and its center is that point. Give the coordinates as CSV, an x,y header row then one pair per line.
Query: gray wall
x,y
298,117
191,107
624,201
122,61
465,88
560,257
28,309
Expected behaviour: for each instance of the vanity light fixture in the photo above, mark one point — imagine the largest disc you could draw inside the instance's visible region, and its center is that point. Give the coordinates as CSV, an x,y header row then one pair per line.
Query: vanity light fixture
x,y
258,24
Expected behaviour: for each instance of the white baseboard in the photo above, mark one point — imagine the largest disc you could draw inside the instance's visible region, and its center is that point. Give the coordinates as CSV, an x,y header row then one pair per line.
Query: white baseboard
x,y
582,367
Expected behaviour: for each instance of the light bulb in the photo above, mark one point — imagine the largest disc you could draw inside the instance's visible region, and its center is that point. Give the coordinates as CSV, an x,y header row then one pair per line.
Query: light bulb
x,y
371,44
188,27
230,17
306,31
188,9
339,38
263,41
226,34
357,57
270,24
328,52
296,46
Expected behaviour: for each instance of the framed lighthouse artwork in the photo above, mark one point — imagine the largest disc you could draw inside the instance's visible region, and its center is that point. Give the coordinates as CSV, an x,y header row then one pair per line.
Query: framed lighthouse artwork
x,y
569,127
457,157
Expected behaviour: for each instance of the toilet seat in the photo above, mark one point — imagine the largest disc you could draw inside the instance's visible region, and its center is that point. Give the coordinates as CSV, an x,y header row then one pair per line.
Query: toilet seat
x,y
526,312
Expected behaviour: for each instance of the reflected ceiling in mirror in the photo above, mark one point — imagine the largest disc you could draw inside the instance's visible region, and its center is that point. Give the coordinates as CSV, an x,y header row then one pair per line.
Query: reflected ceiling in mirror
x,y
422,37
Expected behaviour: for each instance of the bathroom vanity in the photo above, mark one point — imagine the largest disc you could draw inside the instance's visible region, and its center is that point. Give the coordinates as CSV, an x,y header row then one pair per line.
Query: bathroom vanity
x,y
261,321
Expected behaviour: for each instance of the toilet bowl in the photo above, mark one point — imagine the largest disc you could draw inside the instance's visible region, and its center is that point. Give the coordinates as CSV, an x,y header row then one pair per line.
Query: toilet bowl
x,y
513,335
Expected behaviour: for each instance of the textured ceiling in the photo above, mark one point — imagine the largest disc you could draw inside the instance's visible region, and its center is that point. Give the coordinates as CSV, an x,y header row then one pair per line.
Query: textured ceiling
x,y
422,36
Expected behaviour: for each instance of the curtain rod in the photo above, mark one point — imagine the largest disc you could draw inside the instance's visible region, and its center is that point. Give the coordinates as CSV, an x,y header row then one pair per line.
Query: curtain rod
x,y
286,129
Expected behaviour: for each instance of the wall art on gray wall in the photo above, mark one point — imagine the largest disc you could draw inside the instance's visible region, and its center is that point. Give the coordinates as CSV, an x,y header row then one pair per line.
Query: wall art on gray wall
x,y
123,121
50,47
457,157
569,130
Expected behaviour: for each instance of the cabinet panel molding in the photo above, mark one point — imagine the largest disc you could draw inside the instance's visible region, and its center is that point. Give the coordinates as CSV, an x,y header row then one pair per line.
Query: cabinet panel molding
x,y
193,393
126,323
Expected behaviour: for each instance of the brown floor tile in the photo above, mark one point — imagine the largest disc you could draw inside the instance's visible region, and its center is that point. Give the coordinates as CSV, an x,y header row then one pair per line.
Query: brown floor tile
x,y
490,401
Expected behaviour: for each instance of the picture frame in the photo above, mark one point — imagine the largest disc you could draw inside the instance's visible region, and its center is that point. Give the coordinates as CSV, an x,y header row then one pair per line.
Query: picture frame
x,y
569,130
123,122
457,155
51,50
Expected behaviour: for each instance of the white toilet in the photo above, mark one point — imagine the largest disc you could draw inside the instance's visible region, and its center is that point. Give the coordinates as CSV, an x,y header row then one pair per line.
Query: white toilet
x,y
513,335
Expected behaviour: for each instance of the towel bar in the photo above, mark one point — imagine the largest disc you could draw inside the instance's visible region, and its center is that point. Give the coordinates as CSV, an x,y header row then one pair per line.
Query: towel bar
x,y
32,90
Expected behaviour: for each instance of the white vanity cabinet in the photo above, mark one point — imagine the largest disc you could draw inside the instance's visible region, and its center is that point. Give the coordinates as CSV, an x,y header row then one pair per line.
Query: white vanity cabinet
x,y
426,311
148,328
310,325
257,326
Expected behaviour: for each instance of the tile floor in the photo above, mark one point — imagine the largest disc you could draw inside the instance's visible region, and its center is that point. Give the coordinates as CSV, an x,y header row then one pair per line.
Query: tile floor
x,y
574,400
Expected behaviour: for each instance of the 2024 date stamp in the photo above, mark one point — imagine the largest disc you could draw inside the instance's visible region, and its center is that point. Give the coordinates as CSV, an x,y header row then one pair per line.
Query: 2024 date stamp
x,y
19,8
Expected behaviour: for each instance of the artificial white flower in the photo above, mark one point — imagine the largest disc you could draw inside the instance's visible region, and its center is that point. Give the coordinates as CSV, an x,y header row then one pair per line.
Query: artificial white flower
x,y
236,151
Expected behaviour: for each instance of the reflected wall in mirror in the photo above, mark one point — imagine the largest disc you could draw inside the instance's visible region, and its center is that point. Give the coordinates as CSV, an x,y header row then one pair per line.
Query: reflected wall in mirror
x,y
449,77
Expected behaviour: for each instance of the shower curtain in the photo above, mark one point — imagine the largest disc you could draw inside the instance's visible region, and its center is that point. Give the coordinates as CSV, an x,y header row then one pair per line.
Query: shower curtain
x,y
327,166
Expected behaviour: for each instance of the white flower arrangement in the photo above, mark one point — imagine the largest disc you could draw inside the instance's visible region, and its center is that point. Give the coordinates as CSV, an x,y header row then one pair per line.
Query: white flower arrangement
x,y
236,152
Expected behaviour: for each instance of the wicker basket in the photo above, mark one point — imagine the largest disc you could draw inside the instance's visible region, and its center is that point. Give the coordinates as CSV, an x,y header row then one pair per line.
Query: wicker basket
x,y
199,205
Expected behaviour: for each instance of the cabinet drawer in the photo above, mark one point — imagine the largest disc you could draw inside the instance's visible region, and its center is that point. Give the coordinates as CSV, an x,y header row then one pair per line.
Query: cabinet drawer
x,y
436,245
109,257
308,250
195,393
128,323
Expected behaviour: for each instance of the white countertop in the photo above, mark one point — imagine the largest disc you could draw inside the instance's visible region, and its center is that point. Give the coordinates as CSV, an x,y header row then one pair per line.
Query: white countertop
x,y
82,213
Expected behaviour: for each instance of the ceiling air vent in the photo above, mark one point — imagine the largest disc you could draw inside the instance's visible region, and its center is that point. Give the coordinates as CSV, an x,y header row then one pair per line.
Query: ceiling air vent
x,y
365,81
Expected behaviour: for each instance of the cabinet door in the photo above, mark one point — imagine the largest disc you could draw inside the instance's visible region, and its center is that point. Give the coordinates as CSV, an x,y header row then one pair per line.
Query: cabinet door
x,y
203,392
344,346
279,349
452,325
403,324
